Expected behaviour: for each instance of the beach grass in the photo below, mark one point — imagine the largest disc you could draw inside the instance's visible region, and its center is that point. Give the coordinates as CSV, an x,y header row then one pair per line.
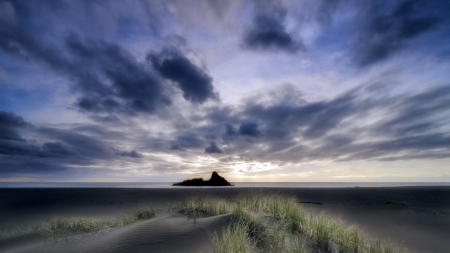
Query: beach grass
x,y
87,224
234,239
276,223
196,207
62,227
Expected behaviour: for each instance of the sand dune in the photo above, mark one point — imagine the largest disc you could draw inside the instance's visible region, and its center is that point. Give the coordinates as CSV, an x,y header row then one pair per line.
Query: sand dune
x,y
169,233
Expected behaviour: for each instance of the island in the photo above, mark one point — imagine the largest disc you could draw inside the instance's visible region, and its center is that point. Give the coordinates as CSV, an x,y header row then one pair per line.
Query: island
x,y
215,180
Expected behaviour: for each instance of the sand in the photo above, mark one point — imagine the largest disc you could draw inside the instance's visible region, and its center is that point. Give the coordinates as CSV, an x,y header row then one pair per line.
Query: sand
x,y
416,217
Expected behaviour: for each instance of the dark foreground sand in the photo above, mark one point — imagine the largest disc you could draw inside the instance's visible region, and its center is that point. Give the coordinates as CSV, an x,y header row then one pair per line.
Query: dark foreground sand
x,y
416,217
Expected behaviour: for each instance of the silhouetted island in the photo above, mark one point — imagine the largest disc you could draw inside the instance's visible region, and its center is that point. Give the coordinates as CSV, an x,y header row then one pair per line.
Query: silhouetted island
x,y
215,180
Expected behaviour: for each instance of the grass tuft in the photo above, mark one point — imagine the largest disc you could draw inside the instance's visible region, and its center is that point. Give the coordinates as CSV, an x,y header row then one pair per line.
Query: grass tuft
x,y
62,227
275,223
234,239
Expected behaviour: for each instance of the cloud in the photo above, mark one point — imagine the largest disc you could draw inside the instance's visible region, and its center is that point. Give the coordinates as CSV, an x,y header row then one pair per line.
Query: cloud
x,y
213,148
190,139
132,154
345,128
195,84
89,147
108,79
326,10
230,130
55,149
389,28
129,86
12,143
7,13
268,31
13,147
418,113
9,125
177,146
249,129
142,69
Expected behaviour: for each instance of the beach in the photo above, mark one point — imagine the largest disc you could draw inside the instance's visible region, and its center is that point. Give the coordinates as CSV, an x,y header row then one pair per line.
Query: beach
x,y
416,217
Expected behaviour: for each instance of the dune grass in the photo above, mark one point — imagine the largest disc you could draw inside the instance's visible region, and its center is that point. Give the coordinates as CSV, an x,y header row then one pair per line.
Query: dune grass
x,y
62,227
196,207
86,224
275,223
6,232
234,239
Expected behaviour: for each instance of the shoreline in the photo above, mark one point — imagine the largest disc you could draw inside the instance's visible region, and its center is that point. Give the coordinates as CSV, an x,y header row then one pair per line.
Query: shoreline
x,y
417,217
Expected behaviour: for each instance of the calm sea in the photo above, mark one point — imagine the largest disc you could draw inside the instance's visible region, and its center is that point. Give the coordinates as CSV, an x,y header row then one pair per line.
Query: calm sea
x,y
239,185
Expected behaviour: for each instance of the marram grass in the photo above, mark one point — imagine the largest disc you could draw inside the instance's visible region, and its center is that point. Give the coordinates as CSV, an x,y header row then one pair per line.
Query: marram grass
x,y
275,223
234,240
62,227
86,224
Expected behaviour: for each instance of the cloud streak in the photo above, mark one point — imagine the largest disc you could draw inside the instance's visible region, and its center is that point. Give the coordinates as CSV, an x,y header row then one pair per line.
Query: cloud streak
x,y
390,29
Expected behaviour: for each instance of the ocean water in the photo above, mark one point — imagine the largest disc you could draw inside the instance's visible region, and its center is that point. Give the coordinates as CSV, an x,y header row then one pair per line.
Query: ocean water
x,y
237,184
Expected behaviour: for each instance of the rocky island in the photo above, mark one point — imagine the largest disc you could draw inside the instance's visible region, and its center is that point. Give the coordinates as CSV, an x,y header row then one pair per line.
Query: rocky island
x,y
215,180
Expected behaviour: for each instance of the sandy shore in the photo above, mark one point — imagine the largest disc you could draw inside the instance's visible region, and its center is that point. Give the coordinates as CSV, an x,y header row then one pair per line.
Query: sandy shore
x,y
416,217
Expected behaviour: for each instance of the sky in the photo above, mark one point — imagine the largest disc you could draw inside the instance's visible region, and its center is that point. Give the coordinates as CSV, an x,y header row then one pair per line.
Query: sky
x,y
259,91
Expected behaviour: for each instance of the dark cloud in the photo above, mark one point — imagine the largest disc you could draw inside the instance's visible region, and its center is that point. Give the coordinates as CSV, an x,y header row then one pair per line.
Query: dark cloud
x,y
22,147
229,129
193,81
312,120
177,146
9,119
9,125
132,154
390,27
41,150
12,143
249,129
213,148
130,85
269,32
417,114
108,79
89,147
55,149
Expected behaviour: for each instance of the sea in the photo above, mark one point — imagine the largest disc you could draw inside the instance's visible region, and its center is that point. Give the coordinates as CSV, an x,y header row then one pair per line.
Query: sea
x,y
236,184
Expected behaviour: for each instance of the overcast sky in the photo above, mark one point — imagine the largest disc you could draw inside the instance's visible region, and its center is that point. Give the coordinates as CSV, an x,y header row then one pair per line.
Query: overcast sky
x,y
313,90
